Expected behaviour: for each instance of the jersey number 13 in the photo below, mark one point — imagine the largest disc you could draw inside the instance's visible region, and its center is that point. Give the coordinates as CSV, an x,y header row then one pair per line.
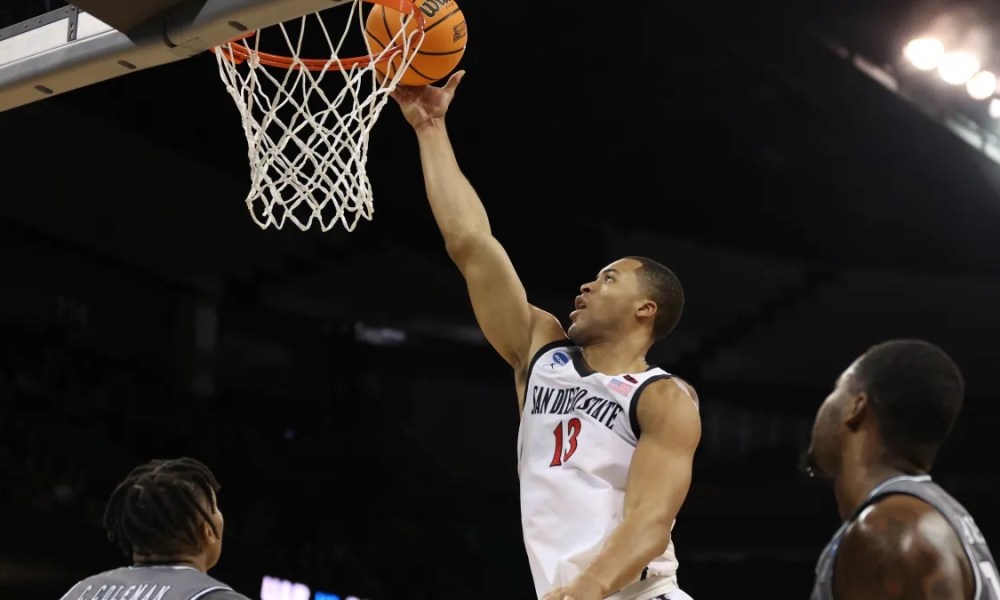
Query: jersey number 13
x,y
565,440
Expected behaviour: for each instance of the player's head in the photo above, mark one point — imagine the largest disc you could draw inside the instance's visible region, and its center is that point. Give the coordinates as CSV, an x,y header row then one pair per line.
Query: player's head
x,y
166,511
903,396
632,292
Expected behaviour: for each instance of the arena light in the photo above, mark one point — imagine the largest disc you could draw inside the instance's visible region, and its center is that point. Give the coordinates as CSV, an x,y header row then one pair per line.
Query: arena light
x,y
275,588
982,85
924,53
995,108
957,68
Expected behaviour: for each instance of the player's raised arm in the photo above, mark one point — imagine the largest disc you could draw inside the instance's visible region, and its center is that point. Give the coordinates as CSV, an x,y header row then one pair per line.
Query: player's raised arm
x,y
512,326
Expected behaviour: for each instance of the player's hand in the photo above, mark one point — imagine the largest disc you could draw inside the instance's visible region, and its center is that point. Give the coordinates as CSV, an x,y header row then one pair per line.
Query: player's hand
x,y
582,588
421,104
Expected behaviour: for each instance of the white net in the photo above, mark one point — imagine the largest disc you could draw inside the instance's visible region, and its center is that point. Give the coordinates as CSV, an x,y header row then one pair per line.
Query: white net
x,y
307,121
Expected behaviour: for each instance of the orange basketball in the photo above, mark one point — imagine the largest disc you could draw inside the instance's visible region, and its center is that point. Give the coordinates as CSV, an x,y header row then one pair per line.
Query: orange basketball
x,y
442,48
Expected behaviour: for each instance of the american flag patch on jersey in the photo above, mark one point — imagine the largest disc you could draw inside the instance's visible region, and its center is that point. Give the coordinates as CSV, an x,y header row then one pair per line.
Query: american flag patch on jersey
x,y
617,385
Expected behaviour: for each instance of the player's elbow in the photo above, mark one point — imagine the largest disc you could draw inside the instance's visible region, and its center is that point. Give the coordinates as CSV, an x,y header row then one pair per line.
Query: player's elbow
x,y
463,247
655,525
659,536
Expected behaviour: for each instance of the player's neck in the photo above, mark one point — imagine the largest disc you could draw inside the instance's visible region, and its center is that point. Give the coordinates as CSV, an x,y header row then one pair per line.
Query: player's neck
x,y
855,484
154,560
615,358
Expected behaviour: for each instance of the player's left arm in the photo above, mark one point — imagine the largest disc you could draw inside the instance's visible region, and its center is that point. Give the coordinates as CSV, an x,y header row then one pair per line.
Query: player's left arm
x,y
658,481
902,548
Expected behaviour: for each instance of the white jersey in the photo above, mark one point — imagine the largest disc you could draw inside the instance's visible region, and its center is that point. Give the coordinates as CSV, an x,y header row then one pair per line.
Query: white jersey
x,y
575,442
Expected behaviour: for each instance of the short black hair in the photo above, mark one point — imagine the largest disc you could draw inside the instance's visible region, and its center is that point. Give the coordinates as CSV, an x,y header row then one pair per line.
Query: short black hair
x,y
158,507
916,391
665,289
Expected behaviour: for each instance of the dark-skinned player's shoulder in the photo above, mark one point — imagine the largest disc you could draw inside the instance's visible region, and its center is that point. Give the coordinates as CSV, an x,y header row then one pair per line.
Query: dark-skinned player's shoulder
x,y
224,595
899,544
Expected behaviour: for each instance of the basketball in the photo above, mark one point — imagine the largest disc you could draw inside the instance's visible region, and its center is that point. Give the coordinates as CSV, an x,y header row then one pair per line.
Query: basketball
x,y
443,46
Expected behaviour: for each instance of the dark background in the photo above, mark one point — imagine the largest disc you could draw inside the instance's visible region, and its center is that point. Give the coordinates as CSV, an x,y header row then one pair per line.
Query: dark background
x,y
337,383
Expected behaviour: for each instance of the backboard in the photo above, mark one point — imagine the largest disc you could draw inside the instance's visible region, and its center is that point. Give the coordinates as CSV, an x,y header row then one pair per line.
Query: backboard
x,y
96,40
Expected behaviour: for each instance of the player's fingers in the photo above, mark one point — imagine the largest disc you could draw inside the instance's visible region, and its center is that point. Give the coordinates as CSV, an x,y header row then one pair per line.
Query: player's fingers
x,y
454,80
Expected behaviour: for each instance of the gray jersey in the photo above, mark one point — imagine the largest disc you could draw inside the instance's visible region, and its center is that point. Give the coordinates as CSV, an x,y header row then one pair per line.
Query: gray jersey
x,y
984,568
166,582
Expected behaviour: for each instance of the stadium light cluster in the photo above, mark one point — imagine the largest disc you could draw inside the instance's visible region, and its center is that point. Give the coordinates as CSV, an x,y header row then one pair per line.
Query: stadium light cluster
x,y
956,67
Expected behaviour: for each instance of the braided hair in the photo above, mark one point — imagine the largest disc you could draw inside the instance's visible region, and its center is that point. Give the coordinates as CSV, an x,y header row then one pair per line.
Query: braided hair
x,y
159,507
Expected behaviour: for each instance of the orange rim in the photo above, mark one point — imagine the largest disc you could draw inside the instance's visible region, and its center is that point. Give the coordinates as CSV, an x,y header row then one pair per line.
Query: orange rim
x,y
238,53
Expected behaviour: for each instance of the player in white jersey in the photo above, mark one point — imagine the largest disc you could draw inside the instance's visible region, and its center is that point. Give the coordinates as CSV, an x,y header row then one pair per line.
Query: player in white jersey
x,y
606,442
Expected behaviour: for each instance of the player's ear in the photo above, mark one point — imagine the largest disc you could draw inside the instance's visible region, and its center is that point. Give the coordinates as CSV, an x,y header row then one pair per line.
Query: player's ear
x,y
208,534
647,309
856,410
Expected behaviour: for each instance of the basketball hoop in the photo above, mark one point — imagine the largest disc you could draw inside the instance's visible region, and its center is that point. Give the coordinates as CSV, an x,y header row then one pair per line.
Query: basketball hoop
x,y
306,129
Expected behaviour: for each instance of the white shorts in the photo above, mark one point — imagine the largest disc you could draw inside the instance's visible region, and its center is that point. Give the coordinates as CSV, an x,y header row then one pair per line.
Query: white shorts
x,y
654,588
677,594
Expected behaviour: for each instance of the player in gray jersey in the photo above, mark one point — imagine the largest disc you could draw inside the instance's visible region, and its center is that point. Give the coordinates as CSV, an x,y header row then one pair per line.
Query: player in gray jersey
x,y
877,436
165,517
